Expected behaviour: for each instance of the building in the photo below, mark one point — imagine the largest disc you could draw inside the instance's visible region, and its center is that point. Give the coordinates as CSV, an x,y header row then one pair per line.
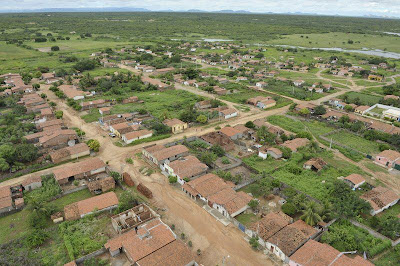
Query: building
x,y
218,194
176,125
158,246
295,144
387,158
380,199
105,110
274,153
262,152
80,170
269,225
101,185
392,114
203,104
231,132
100,203
314,164
361,109
257,99
218,138
354,180
72,92
132,218
159,154
69,153
315,253
6,202
136,135
266,104
228,113
287,240
186,168
58,138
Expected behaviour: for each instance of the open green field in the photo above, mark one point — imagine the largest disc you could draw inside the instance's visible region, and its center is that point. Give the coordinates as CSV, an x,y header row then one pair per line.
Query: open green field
x,y
339,39
242,95
268,165
167,103
16,225
365,99
295,92
355,142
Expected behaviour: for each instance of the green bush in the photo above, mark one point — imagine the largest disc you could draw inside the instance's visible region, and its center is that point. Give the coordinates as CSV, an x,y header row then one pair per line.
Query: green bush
x,y
289,208
172,179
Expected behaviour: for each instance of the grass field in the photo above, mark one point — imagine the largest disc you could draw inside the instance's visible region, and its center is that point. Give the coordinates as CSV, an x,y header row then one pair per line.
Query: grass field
x,y
355,142
247,219
365,99
338,39
260,165
242,95
168,103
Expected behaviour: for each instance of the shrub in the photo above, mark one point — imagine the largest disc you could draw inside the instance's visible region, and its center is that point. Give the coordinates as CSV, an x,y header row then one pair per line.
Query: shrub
x,y
55,48
172,179
254,242
289,209
129,160
225,160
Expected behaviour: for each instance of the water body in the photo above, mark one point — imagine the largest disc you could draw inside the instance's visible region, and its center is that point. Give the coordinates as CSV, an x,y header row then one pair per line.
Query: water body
x,y
392,33
216,40
372,52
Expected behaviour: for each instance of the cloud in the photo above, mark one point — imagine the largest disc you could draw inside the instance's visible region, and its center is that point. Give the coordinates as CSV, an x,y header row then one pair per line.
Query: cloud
x,y
326,7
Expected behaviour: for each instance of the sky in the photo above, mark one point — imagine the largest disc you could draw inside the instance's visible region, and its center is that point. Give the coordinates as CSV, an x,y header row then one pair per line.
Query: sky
x,y
324,7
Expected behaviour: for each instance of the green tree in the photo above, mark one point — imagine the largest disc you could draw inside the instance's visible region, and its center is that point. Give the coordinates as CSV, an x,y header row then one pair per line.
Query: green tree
x,y
249,124
55,48
93,144
253,204
59,114
218,150
311,213
320,110
4,166
172,179
201,119
304,112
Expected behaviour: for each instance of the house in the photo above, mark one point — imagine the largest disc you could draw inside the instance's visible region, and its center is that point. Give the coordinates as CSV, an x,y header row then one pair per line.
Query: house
x,y
286,241
229,202
203,104
228,113
80,170
274,153
257,99
269,225
134,217
309,106
69,153
56,122
337,103
120,129
295,144
159,154
158,246
217,138
136,135
354,180
101,185
375,77
393,97
155,82
220,91
131,99
392,114
218,194
231,132
105,110
72,92
58,138
380,198
93,104
176,125
184,168
100,203
261,84
266,104
314,164
298,83
6,202
361,109
315,253
387,158
262,152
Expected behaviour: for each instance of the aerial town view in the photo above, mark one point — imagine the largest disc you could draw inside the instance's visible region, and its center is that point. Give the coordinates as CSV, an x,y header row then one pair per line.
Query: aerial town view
x,y
187,133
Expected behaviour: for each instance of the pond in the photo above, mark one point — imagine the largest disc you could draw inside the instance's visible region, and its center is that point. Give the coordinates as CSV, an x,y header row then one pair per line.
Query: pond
x,y
372,52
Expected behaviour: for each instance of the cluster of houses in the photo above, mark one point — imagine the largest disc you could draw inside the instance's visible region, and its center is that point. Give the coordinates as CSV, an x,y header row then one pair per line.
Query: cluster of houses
x,y
13,84
139,233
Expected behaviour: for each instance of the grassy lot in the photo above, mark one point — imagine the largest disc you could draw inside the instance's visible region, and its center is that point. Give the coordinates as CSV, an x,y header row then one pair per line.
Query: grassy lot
x,y
337,39
375,168
16,225
295,92
368,83
365,99
168,103
355,142
390,258
377,90
260,165
242,95
247,219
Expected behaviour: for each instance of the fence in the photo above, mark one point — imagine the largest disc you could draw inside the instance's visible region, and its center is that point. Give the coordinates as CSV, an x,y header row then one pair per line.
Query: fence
x,y
374,233
91,255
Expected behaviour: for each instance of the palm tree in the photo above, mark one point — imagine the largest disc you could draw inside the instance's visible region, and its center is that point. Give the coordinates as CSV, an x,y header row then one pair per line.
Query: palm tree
x,y
311,213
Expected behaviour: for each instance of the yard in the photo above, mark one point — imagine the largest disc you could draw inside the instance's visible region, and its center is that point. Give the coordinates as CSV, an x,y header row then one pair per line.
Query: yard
x,y
168,103
361,98
355,142
260,165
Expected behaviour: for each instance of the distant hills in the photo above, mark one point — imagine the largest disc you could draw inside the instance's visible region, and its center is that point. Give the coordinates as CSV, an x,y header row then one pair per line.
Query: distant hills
x,y
135,9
